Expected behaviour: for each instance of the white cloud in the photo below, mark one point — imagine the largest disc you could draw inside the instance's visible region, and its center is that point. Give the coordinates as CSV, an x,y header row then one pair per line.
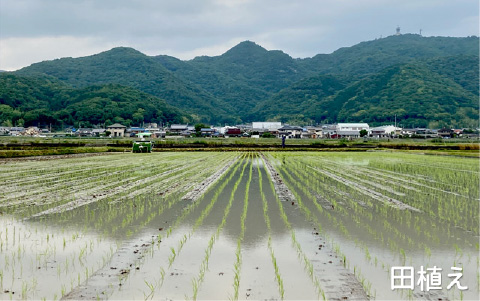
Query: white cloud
x,y
20,52
184,28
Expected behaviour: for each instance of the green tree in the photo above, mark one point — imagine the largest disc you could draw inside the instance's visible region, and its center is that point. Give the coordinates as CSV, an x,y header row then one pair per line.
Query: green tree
x,y
138,116
198,128
268,135
363,133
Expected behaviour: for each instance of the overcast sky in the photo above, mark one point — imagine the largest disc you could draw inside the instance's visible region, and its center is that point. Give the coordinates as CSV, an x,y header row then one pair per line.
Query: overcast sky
x,y
37,30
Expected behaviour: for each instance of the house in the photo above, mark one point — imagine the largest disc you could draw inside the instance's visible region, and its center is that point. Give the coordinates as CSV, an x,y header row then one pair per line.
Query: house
x,y
408,132
290,131
187,133
84,132
152,125
159,134
233,132
207,132
316,132
445,133
385,131
4,130
420,131
244,127
329,131
136,130
350,130
458,132
178,128
425,133
152,128
117,130
308,135
98,132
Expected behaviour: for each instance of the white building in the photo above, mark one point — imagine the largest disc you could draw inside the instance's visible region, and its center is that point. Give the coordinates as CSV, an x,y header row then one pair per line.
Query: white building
x,y
290,131
224,129
385,131
117,130
266,125
350,130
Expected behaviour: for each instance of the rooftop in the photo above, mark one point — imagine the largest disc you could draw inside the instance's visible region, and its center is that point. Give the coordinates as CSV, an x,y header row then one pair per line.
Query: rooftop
x,y
116,125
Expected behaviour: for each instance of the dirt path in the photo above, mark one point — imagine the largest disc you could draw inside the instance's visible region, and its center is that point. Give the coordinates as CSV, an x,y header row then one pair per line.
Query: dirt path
x,y
108,279
200,189
54,157
284,194
337,282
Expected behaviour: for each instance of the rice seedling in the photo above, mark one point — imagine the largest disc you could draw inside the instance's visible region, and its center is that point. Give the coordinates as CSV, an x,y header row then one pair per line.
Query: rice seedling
x,y
204,266
269,244
238,252
348,197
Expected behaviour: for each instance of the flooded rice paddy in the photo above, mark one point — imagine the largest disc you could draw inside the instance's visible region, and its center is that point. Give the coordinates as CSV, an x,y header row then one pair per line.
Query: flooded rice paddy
x,y
243,226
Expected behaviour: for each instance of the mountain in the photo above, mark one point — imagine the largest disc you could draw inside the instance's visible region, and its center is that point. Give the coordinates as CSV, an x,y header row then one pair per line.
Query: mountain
x,y
419,93
462,69
373,56
416,95
249,83
43,100
129,67
303,101
241,77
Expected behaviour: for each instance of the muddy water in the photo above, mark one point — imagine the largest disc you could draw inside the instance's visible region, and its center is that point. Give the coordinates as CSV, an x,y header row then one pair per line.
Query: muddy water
x,y
178,275
40,261
123,250
371,249
160,277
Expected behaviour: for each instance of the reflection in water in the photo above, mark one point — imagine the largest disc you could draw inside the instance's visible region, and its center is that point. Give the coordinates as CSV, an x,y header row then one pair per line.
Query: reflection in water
x,y
358,223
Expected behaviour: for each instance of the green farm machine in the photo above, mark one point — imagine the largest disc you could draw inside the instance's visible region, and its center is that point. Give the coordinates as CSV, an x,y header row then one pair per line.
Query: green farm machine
x,y
142,146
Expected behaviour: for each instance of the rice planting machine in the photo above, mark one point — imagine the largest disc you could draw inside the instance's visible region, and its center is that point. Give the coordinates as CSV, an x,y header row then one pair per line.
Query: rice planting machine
x,y
142,146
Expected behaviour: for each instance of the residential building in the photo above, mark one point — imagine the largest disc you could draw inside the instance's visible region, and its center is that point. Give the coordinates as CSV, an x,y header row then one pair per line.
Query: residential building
x,y
385,131
445,133
84,132
233,132
350,130
117,130
98,132
178,128
329,131
315,131
4,130
290,131
207,132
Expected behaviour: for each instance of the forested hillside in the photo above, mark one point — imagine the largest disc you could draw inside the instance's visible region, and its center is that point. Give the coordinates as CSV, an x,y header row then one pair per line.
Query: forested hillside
x,y
369,82
44,101
436,93
128,67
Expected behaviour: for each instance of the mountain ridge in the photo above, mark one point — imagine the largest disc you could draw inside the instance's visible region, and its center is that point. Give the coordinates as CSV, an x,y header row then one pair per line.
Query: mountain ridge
x,y
234,87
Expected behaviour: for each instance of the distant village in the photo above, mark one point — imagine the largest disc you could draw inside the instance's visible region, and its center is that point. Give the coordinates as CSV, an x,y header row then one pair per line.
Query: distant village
x,y
252,130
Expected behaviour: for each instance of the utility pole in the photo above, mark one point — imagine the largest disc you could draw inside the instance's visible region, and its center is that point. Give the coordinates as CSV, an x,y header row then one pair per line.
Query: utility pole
x,y
395,125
